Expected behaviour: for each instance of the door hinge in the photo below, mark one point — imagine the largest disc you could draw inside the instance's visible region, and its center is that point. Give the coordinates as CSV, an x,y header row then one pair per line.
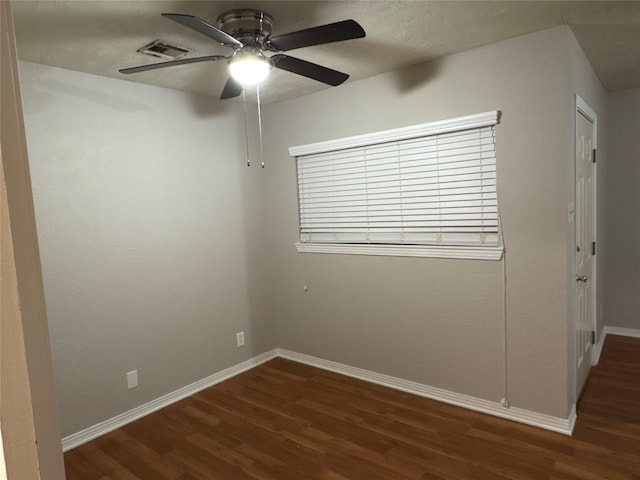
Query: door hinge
x,y
594,155
593,248
593,337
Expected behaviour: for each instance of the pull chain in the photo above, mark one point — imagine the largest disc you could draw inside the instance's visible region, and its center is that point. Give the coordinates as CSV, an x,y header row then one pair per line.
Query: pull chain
x,y
304,272
505,332
246,130
260,124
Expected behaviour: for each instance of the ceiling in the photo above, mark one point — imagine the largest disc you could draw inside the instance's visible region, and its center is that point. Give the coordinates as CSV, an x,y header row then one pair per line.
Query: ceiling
x,y
100,37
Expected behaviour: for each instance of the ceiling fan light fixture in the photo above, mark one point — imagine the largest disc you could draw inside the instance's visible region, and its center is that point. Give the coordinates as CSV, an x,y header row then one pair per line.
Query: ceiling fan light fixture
x,y
249,66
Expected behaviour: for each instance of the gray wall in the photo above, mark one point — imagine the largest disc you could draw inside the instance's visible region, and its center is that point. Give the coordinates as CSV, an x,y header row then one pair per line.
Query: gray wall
x,y
584,82
622,234
435,321
158,244
150,229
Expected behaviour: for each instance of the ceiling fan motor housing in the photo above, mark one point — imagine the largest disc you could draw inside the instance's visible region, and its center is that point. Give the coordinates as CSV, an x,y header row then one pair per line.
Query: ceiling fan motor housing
x,y
249,26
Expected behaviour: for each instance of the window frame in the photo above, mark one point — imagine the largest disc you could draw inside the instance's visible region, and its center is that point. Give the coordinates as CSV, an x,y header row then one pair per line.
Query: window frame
x,y
490,118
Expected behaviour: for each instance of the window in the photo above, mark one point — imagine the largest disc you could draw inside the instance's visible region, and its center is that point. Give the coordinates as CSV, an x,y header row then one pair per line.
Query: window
x,y
426,190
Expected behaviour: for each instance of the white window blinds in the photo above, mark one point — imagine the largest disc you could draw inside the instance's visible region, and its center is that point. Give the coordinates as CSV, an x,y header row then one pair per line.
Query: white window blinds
x,y
419,188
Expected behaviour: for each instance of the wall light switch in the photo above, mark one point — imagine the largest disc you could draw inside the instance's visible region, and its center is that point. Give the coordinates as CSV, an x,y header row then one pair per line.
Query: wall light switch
x,y
132,379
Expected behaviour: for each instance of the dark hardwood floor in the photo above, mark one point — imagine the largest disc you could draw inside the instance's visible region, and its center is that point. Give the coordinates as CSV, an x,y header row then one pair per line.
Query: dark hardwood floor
x,y
288,421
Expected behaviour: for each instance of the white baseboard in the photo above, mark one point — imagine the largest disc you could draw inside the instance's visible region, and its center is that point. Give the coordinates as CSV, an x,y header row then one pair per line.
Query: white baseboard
x,y
598,349
625,332
609,330
548,422
573,416
95,431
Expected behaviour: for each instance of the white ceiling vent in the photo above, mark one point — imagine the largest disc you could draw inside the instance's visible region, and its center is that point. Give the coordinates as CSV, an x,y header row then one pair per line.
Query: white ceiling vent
x,y
161,49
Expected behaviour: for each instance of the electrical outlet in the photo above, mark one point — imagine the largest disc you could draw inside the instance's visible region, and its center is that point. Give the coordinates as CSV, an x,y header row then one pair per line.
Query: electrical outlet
x,y
240,339
132,379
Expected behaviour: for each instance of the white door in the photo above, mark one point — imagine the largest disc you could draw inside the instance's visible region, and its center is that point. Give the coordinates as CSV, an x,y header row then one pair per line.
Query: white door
x,y
585,248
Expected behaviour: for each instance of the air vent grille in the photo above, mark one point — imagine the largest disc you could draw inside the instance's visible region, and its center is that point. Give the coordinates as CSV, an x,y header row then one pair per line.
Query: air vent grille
x,y
161,49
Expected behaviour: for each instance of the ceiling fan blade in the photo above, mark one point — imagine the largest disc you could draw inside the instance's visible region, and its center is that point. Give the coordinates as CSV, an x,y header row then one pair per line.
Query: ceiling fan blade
x,y
231,89
309,70
199,25
182,61
332,32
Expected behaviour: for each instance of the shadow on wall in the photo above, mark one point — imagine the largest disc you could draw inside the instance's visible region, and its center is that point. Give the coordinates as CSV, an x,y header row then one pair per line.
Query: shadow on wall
x,y
413,77
205,106
47,86
213,74
409,77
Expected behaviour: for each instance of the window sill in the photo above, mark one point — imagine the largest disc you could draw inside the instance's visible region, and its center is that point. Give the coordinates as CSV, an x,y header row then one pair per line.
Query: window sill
x,y
428,251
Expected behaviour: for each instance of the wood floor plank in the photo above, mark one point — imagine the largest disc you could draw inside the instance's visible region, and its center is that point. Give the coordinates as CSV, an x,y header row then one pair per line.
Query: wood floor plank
x,y
289,421
78,466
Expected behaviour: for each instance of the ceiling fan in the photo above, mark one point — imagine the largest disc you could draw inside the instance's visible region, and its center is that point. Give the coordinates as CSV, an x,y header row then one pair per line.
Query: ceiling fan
x,y
248,32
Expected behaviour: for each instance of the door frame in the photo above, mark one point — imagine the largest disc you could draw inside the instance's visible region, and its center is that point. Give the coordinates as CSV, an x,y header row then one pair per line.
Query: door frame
x,y
582,108
30,429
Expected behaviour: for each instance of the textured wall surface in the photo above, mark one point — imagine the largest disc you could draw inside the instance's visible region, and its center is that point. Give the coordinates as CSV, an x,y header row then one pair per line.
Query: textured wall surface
x,y
622,234
439,322
150,235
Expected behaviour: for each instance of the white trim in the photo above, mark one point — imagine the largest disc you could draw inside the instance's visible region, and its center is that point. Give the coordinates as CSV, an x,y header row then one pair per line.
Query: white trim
x,y
587,111
432,128
625,332
467,253
528,417
95,431
548,422
3,463
610,330
573,416
583,108
597,351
